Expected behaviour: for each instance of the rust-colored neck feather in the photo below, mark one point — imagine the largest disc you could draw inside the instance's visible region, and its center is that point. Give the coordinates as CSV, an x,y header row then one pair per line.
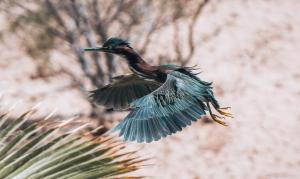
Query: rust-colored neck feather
x,y
138,66
132,56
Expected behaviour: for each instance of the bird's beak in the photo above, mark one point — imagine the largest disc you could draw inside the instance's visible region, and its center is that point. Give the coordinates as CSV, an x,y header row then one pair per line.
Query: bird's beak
x,y
98,49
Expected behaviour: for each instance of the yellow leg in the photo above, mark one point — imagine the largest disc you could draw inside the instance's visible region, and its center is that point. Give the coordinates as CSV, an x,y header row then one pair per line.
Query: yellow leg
x,y
223,112
215,117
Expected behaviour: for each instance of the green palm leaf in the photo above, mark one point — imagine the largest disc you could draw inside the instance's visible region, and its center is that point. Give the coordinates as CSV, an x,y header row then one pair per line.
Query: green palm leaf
x,y
32,150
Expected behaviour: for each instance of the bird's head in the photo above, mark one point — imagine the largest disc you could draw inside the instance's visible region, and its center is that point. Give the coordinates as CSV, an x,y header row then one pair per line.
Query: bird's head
x,y
112,45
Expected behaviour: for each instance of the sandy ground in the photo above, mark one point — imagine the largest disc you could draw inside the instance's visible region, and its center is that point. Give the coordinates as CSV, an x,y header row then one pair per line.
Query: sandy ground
x,y
250,50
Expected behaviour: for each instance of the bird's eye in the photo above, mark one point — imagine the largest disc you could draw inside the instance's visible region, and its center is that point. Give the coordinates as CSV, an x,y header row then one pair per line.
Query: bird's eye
x,y
109,47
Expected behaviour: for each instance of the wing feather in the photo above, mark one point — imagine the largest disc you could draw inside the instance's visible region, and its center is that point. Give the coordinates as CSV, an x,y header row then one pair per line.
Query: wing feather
x,y
123,90
168,109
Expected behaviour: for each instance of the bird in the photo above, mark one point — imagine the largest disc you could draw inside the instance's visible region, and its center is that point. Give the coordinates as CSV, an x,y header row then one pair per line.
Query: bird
x,y
162,99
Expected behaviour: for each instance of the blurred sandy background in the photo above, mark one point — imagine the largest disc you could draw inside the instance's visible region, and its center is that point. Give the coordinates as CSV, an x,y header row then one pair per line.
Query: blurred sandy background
x,y
249,49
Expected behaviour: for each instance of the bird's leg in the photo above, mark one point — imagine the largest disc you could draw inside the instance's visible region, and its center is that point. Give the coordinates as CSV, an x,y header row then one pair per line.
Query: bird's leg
x,y
215,117
223,112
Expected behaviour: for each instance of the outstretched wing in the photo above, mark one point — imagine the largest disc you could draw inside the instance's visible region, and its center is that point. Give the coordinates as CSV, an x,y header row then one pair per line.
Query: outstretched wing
x,y
123,90
168,109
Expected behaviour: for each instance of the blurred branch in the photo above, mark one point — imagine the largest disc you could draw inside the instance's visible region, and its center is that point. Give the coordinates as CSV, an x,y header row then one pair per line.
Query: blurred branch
x,y
52,9
179,57
117,12
191,47
191,31
154,26
71,38
85,28
101,31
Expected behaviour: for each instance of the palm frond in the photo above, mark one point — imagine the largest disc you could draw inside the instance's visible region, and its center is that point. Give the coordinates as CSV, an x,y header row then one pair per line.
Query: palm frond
x,y
34,150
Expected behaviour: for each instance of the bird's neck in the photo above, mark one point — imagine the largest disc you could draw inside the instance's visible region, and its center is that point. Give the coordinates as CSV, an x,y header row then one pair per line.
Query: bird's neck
x,y
138,66
133,57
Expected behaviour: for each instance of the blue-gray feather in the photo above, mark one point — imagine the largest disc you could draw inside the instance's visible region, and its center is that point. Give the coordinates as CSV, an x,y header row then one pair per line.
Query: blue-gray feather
x,y
168,109
123,90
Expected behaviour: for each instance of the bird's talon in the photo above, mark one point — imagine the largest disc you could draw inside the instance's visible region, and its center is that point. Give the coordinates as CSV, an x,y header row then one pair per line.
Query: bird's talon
x,y
227,107
219,121
225,113
217,118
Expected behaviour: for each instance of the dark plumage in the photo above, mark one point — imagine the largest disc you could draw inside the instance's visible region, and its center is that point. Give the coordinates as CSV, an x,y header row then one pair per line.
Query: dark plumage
x,y
162,99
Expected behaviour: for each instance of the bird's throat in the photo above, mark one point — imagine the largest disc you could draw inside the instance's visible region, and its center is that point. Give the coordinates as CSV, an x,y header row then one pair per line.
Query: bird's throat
x,y
138,66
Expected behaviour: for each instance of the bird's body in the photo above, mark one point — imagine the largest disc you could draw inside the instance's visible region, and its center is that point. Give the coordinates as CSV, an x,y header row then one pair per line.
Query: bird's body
x,y
163,99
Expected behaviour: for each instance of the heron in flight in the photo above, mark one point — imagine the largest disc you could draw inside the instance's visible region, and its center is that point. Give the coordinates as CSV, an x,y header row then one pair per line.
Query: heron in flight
x,y
162,99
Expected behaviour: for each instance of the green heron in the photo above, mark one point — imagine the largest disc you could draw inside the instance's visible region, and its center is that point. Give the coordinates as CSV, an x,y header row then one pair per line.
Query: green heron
x,y
162,99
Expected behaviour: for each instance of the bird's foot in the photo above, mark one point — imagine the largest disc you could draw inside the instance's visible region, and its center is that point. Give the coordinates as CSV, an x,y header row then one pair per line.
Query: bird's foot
x,y
219,119
223,111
